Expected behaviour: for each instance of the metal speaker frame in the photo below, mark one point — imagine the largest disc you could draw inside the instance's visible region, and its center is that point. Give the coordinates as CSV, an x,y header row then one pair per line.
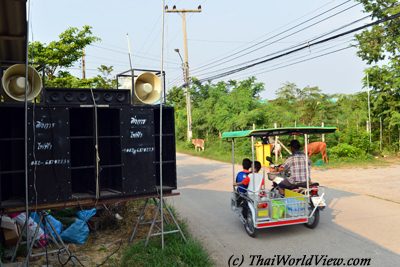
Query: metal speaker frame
x,y
143,78
13,82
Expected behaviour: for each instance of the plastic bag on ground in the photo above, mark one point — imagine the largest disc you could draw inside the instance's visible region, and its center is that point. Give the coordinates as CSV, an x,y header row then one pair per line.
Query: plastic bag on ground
x,y
78,232
40,238
56,223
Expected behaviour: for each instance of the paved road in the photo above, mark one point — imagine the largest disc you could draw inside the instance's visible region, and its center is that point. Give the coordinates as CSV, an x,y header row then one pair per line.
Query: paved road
x,y
205,203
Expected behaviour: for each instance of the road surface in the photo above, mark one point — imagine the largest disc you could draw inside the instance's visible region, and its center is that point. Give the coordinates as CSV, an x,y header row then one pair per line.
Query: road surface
x,y
353,226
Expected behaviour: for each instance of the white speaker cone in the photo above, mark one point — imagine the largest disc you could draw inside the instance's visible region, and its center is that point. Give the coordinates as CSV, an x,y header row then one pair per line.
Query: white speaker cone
x,y
144,89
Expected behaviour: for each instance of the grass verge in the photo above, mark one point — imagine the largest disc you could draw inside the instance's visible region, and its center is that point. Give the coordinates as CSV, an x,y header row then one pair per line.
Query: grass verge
x,y
176,251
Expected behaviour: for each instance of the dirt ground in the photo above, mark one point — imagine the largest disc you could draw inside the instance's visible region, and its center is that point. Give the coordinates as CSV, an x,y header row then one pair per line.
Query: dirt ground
x,y
379,182
106,243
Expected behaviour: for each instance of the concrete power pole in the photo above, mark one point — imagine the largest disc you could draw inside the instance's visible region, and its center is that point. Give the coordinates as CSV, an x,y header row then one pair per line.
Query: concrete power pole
x,y
182,13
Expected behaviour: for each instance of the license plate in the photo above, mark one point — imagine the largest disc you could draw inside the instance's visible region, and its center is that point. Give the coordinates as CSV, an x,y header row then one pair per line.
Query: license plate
x,y
263,213
320,201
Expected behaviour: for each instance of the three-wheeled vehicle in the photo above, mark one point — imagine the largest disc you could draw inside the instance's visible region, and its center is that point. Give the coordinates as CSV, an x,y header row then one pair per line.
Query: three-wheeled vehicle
x,y
261,207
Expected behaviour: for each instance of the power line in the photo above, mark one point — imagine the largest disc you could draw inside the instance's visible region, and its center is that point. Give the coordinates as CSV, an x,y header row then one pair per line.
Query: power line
x,y
284,37
304,60
276,35
301,48
292,47
283,26
294,61
125,53
263,36
308,54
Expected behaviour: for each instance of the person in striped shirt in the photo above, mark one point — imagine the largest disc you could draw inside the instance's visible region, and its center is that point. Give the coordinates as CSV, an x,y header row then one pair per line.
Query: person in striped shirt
x,y
297,166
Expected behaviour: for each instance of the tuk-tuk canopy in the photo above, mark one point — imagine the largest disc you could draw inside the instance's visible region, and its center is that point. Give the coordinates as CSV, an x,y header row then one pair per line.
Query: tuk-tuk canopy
x,y
279,131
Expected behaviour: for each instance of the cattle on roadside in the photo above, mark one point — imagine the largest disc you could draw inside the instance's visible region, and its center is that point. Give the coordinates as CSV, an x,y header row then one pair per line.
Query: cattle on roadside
x,y
198,144
315,148
278,149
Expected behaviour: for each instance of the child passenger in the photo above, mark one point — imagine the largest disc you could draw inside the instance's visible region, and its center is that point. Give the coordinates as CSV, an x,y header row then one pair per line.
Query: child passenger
x,y
256,183
242,178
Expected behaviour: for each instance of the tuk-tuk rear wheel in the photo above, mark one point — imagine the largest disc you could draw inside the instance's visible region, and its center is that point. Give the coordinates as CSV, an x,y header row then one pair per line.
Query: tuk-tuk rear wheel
x,y
314,220
249,225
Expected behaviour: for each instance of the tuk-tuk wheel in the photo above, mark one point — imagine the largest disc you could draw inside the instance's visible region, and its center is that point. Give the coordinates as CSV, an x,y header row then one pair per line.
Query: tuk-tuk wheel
x,y
314,220
249,225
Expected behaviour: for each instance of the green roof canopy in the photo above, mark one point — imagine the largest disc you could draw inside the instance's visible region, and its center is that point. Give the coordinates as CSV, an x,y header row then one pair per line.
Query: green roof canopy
x,y
279,131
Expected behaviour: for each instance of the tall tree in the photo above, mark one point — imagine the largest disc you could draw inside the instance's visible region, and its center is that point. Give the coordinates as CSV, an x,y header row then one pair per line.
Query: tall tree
x,y
379,46
63,52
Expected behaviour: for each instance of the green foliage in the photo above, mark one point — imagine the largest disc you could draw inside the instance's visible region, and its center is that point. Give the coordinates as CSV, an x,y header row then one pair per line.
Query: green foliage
x,y
345,150
64,79
379,46
64,53
236,105
357,139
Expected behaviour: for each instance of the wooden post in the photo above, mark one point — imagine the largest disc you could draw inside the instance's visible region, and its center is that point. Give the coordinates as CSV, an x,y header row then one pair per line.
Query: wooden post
x,y
284,147
323,135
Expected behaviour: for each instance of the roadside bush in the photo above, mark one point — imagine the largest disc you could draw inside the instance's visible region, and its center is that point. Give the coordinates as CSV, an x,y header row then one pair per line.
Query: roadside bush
x,y
358,139
345,150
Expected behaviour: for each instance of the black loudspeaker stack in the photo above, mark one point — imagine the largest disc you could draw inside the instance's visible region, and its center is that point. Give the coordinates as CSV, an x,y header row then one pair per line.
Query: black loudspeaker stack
x,y
63,162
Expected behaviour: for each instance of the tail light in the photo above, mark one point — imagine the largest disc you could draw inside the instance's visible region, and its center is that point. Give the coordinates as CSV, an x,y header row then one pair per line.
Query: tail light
x,y
262,205
314,191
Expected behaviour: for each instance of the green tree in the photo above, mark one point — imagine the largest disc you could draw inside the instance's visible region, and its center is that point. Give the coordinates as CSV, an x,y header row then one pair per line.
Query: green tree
x,y
379,46
63,52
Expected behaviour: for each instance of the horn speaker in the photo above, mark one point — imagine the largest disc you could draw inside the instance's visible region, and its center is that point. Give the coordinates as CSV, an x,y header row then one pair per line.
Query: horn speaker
x,y
13,82
147,89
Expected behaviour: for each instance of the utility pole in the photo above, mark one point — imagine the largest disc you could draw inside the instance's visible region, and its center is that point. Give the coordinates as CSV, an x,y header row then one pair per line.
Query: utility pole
x,y
83,64
182,13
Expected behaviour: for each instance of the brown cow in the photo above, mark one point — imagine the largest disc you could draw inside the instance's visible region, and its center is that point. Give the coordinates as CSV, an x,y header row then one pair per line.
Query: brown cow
x,y
198,143
316,148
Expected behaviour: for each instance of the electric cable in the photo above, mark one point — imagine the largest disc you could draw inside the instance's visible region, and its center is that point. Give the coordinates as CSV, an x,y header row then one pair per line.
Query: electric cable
x,y
294,58
70,258
124,53
282,38
279,34
389,18
197,69
313,39
110,255
301,61
291,47
283,26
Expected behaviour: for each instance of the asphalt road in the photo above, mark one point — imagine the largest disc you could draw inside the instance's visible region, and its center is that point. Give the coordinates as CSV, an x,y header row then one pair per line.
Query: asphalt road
x,y
205,203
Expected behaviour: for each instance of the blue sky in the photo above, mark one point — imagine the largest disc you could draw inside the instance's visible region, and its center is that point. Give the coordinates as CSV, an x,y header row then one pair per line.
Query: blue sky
x,y
222,28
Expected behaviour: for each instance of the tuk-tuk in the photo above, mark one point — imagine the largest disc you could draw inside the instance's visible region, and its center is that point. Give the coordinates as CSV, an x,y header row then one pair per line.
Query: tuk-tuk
x,y
259,207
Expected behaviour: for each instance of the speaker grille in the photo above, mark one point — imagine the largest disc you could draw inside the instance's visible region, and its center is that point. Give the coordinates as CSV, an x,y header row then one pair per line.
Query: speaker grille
x,y
68,96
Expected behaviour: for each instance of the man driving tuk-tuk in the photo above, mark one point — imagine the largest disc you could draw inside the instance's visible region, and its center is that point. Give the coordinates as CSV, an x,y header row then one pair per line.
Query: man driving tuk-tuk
x,y
296,165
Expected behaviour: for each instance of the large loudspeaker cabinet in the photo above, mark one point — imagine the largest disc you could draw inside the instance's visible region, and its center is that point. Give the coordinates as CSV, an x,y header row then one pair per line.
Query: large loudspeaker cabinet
x,y
168,147
62,156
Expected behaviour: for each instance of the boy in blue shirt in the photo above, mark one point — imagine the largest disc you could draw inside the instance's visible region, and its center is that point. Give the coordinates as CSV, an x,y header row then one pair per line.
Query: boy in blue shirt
x,y
242,178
